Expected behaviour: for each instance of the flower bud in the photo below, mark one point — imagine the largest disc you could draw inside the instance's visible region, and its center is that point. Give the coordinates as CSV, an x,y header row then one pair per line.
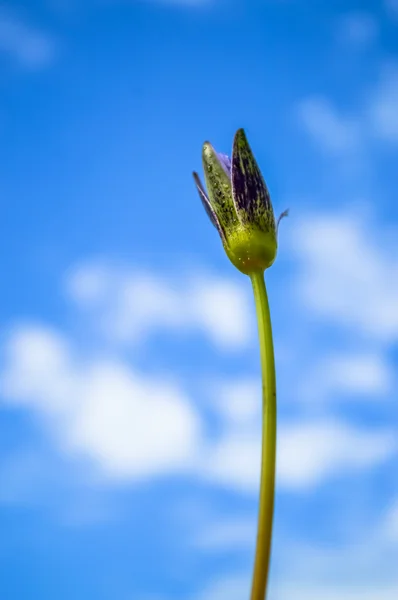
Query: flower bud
x,y
239,205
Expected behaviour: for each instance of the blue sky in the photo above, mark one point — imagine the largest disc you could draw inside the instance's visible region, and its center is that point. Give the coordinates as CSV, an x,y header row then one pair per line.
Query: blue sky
x,y
129,384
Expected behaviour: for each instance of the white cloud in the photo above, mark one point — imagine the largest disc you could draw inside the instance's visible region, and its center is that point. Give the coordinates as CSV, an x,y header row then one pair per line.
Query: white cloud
x,y
354,137
224,311
130,304
314,569
66,6
357,28
392,8
183,2
230,587
391,523
349,375
333,132
24,43
308,454
336,593
37,369
347,275
236,587
132,426
382,109
375,118
234,461
366,374
90,283
239,401
129,425
227,535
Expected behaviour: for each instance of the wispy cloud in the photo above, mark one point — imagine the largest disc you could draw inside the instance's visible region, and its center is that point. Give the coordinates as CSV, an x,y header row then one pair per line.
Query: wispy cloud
x,y
227,534
308,454
354,568
348,275
390,526
128,425
346,592
130,304
330,130
235,587
182,2
102,410
359,29
354,376
392,8
339,133
382,109
238,401
24,43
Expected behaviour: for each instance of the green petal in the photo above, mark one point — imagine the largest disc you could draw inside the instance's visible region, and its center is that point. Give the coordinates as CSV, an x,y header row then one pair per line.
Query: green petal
x,y
219,188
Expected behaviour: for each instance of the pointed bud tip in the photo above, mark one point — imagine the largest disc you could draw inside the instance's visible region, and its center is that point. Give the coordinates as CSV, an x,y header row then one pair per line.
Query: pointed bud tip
x,y
208,154
240,135
207,148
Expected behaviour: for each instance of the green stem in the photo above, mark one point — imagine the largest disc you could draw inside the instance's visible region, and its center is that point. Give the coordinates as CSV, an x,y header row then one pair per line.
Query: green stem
x,y
268,458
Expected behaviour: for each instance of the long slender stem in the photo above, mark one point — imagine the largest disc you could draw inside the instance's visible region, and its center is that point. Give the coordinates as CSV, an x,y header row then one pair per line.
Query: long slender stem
x,y
268,458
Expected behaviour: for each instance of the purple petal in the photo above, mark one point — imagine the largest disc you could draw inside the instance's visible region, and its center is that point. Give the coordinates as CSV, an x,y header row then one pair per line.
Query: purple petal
x,y
225,163
206,204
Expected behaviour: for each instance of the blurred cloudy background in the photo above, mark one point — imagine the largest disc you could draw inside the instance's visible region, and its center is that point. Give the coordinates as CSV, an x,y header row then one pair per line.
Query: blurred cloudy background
x,y
129,370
